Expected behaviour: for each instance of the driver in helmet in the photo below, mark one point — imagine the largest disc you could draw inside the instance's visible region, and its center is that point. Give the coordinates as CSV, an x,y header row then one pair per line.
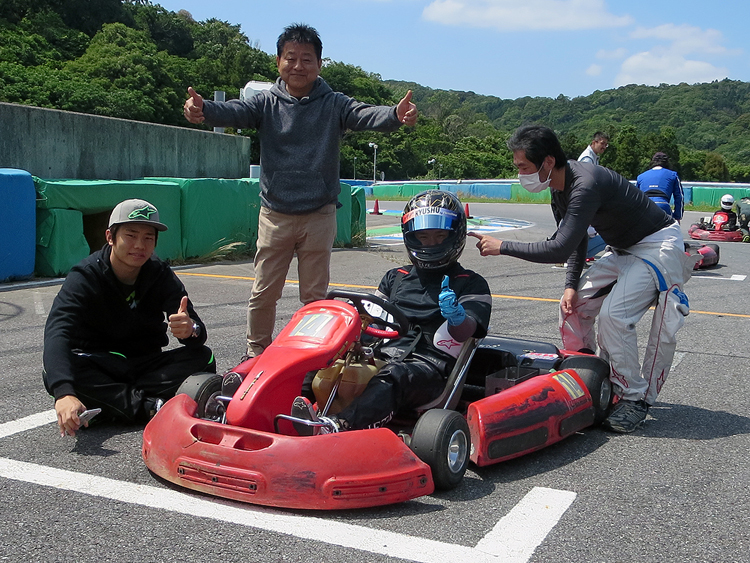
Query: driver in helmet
x,y
445,305
727,203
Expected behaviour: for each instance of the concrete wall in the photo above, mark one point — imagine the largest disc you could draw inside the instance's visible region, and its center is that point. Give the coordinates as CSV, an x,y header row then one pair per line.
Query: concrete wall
x,y
61,144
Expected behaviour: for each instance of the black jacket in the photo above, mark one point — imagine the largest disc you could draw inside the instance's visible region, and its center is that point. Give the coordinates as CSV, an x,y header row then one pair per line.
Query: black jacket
x,y
91,313
621,213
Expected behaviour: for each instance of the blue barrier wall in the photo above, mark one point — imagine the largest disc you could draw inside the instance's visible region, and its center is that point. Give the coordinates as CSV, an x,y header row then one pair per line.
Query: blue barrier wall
x,y
18,224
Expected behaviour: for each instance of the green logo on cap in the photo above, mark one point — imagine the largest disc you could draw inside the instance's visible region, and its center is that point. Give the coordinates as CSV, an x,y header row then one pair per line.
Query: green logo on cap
x,y
142,213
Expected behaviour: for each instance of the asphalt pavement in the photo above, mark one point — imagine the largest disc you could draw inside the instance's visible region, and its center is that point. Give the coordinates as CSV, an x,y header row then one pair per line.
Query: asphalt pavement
x,y
674,491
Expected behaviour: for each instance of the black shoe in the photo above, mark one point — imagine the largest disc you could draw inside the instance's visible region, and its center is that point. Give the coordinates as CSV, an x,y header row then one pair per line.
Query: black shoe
x,y
626,416
230,382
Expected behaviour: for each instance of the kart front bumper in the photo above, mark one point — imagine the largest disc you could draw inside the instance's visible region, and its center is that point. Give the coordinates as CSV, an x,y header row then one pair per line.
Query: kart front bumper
x,y
353,469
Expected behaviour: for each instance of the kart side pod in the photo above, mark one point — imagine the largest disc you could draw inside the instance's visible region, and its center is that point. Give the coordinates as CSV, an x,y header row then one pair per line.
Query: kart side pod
x,y
530,416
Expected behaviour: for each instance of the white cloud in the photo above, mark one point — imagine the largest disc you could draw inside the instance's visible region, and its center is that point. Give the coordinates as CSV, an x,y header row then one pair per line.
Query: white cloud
x,y
594,70
512,15
680,55
685,38
655,67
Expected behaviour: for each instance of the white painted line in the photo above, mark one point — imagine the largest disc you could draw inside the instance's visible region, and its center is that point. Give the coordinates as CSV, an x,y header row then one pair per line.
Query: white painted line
x,y
516,536
512,540
39,304
678,357
351,536
708,276
27,423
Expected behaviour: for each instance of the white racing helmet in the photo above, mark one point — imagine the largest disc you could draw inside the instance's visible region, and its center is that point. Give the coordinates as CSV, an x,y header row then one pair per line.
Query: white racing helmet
x,y
727,202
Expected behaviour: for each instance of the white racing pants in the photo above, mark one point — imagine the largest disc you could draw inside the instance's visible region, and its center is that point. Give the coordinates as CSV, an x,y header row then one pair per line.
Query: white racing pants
x,y
619,288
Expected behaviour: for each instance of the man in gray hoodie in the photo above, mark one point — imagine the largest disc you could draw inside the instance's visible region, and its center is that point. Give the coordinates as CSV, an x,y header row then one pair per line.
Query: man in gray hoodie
x,y
300,122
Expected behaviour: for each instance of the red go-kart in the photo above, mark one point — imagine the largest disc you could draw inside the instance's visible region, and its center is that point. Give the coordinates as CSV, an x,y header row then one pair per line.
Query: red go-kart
x,y
505,397
714,228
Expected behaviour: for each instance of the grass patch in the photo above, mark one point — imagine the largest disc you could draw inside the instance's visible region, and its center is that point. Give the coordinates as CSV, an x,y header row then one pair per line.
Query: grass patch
x,y
232,252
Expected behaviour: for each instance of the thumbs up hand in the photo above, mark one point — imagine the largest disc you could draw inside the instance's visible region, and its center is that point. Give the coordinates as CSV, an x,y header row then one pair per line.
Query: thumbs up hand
x,y
450,308
193,108
180,323
407,111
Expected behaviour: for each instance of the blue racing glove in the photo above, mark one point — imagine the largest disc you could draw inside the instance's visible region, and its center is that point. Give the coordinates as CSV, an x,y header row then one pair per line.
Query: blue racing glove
x,y
450,308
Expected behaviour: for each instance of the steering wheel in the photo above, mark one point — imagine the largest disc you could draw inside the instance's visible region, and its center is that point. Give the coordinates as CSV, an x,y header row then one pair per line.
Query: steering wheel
x,y
400,324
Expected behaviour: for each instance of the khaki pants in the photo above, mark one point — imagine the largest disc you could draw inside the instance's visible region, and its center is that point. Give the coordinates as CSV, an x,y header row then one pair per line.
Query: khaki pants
x,y
280,236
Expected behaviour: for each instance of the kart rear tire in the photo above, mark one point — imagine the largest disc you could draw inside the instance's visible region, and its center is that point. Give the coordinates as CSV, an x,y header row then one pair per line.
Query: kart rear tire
x,y
441,439
203,388
594,372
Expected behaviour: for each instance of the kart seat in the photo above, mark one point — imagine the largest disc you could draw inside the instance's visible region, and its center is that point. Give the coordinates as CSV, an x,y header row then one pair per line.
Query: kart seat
x,y
451,394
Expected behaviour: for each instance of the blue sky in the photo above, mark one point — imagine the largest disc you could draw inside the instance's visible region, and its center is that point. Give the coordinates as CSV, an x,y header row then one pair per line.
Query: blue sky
x,y
511,48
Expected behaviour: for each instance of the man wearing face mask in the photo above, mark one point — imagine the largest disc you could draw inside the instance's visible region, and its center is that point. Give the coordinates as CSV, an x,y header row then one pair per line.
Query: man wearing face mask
x,y
643,264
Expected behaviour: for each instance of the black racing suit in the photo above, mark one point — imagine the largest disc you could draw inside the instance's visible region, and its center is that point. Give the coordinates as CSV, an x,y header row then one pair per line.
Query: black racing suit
x,y
103,340
420,376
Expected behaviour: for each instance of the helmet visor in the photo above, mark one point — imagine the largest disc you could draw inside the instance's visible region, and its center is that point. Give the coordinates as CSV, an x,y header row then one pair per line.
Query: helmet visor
x,y
430,218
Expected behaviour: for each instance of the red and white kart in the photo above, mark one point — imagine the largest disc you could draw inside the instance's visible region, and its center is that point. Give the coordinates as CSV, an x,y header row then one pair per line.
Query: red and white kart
x,y
505,397
712,228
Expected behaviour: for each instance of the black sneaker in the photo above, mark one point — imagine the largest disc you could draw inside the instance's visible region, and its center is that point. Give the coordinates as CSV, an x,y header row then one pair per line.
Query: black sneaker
x,y
230,382
626,416
303,409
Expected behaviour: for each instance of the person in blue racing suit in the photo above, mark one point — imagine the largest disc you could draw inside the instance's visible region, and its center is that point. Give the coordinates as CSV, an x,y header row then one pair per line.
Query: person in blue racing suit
x,y
661,185
445,305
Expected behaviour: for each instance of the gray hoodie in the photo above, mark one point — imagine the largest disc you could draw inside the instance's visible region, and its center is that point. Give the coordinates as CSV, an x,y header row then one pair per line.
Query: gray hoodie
x,y
299,140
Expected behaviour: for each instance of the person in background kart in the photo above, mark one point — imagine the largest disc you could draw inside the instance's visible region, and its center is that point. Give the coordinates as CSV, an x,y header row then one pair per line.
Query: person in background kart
x,y
645,263
661,185
727,207
445,304
105,332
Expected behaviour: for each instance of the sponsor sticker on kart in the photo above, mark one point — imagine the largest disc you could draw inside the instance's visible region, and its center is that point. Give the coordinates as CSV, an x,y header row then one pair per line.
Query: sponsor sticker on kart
x,y
570,384
540,356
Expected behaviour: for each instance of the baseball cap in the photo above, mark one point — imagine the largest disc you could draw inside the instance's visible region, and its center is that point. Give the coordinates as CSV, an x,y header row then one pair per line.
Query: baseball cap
x,y
136,211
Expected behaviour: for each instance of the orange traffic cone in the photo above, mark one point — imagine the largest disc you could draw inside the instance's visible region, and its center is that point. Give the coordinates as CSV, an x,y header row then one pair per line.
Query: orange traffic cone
x,y
466,212
376,209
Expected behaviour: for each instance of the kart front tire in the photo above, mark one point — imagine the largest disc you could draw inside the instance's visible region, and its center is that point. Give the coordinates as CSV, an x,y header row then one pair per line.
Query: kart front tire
x,y
441,439
203,388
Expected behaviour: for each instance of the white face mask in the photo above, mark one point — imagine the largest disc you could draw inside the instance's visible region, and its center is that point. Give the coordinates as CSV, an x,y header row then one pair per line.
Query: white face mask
x,y
532,182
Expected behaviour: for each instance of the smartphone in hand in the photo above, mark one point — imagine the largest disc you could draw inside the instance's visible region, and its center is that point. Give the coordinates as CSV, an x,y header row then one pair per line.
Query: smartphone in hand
x,y
87,415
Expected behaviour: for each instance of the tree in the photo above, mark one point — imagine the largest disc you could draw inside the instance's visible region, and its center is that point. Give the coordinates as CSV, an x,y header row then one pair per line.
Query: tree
x,y
124,63
356,83
715,169
627,156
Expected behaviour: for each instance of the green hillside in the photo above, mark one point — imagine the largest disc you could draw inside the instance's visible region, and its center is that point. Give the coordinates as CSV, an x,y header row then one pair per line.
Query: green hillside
x,y
133,59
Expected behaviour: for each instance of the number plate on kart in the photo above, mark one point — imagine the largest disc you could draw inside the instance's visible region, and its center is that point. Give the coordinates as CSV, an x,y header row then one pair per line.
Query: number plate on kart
x,y
314,324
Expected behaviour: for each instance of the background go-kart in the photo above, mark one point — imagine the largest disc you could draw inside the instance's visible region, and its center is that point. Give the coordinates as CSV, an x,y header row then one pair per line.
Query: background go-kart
x,y
674,491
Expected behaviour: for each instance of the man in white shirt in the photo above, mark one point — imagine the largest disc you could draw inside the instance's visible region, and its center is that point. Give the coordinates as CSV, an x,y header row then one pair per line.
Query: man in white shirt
x,y
595,149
